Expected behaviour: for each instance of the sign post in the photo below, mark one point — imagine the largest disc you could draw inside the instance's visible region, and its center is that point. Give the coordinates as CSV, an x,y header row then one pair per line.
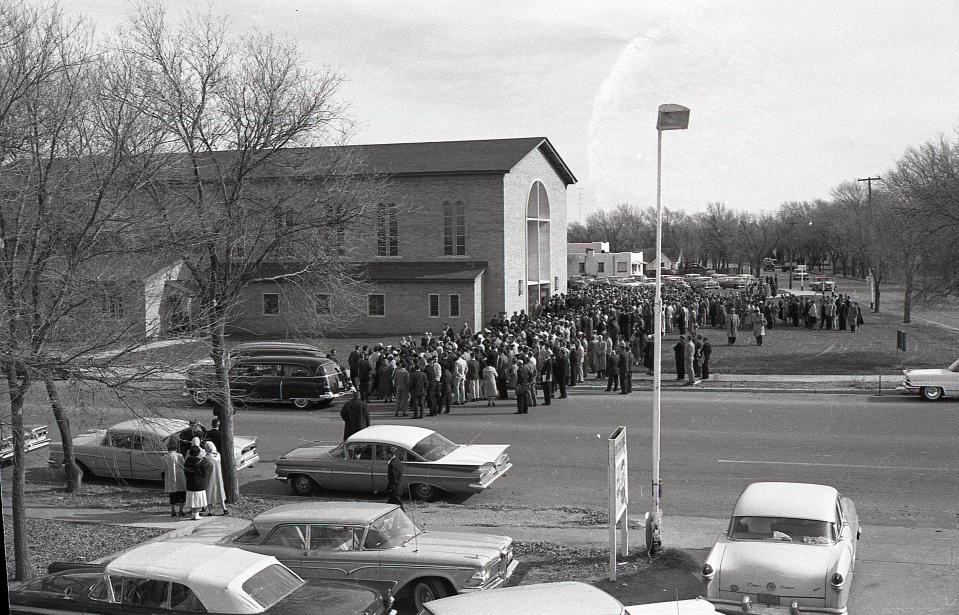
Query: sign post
x,y
618,496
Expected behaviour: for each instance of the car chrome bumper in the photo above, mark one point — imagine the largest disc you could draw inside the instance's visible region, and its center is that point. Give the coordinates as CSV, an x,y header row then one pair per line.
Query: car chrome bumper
x,y
278,477
484,483
735,607
907,388
495,582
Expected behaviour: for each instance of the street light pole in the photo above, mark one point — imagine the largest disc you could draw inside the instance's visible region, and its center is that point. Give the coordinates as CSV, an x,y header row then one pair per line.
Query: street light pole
x,y
671,117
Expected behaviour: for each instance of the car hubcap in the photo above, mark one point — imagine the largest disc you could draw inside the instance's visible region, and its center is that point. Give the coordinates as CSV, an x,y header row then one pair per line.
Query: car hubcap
x,y
300,403
423,594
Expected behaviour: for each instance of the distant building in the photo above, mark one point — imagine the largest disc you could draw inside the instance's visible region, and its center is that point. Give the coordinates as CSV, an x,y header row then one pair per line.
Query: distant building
x,y
595,259
669,264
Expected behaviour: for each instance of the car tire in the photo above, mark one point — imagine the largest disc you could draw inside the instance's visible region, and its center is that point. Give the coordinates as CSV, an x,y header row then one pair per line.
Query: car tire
x,y
931,393
85,472
425,590
425,492
201,398
301,484
300,403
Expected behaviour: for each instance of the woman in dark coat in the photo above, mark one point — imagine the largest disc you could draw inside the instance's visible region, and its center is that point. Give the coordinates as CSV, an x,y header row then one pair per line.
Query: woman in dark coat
x,y
197,471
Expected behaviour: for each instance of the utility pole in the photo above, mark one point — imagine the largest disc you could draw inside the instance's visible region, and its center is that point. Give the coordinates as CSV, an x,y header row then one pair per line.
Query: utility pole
x,y
873,290
792,250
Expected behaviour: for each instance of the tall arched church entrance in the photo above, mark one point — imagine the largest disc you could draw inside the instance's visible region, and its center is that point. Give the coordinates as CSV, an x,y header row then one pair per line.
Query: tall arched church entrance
x,y
537,246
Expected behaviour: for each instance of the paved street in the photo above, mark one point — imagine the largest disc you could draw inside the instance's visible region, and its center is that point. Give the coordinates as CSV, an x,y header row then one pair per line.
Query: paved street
x,y
895,456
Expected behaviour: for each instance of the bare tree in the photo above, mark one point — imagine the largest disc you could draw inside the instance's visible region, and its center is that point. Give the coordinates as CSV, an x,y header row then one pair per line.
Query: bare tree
x,y
244,205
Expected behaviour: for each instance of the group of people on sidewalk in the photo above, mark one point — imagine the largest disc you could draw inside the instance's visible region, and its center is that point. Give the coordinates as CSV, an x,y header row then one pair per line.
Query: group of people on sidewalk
x,y
192,474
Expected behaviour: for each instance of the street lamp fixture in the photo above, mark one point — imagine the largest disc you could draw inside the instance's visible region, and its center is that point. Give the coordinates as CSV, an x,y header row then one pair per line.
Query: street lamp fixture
x,y
671,117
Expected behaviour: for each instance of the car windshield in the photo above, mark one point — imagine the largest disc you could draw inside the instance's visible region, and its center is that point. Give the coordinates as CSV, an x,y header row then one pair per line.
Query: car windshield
x,y
434,447
806,531
391,530
954,367
272,584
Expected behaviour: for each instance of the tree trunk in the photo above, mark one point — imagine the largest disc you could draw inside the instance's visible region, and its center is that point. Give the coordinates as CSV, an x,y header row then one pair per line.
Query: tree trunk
x,y
70,469
23,569
231,485
875,281
907,295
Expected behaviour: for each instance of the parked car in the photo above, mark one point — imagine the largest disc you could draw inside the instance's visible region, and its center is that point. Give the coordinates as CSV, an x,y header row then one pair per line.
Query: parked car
x,y
433,464
561,597
789,548
824,285
34,437
373,541
171,577
301,380
931,384
134,449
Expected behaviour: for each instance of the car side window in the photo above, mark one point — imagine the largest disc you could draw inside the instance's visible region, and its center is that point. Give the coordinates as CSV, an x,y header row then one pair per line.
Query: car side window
x,y
359,451
288,536
140,592
182,598
333,538
296,371
384,452
263,369
840,514
121,440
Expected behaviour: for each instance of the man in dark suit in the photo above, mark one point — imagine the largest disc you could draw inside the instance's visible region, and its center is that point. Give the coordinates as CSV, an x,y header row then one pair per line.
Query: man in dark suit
x,y
625,361
355,414
417,391
364,371
561,371
546,377
353,362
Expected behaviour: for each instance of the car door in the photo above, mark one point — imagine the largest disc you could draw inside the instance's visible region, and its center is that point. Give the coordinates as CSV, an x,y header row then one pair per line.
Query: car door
x,y
336,553
146,457
951,383
116,455
297,381
287,543
354,471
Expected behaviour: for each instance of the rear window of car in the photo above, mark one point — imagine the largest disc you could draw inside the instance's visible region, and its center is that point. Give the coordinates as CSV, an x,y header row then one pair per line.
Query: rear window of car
x,y
248,536
272,584
434,447
785,529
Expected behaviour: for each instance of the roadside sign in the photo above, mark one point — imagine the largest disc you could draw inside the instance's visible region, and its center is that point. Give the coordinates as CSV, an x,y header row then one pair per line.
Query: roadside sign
x,y
618,496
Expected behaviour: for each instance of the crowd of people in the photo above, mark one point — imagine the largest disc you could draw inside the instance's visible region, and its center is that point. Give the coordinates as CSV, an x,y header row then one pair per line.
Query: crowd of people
x,y
604,330
192,474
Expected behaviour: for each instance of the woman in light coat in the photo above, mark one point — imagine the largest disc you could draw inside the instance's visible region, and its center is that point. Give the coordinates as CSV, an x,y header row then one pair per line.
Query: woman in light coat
x,y
215,493
489,384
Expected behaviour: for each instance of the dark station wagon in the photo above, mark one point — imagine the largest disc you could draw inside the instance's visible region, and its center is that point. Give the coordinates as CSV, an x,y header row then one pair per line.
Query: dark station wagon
x,y
273,372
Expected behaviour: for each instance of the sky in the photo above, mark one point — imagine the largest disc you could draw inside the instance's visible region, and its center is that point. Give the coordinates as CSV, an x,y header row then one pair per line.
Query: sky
x,y
788,99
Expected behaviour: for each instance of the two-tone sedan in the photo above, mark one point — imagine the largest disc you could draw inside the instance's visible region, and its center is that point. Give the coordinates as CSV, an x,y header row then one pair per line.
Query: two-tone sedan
x,y
364,541
432,464
789,548
931,384
134,449
172,577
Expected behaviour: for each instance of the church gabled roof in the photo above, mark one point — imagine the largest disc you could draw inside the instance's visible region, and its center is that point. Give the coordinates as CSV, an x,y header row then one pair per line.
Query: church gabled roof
x,y
484,156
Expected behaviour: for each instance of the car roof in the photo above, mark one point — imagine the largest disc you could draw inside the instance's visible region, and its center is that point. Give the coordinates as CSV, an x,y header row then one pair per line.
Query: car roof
x,y
162,427
400,435
792,500
562,597
280,358
353,513
273,345
212,572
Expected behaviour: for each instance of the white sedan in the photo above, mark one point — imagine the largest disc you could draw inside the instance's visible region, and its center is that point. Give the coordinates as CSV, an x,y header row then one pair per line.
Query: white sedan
x,y
790,548
931,384
562,597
